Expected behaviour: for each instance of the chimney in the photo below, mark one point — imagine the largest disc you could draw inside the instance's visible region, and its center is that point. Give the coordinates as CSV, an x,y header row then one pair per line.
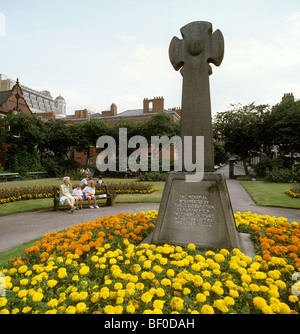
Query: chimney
x,y
157,103
288,96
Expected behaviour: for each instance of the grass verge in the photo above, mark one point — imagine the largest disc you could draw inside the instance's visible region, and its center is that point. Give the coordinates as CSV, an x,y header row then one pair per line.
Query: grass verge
x,y
271,194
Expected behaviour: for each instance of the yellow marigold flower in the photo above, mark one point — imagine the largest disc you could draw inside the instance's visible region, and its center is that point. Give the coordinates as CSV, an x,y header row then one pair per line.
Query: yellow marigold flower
x,y
234,265
280,284
293,299
233,293
228,301
95,297
254,287
191,247
81,307
246,278
24,281
51,283
266,309
22,293
170,273
118,309
220,305
177,304
160,292
146,297
157,269
22,269
3,301
37,297
118,286
201,298
259,302
158,304
207,309
52,303
84,270
206,286
109,309
219,258
165,282
275,274
71,310
130,308
26,309
62,273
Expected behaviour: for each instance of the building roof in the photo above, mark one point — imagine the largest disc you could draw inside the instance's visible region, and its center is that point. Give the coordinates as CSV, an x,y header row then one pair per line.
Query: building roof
x,y
60,98
4,96
136,113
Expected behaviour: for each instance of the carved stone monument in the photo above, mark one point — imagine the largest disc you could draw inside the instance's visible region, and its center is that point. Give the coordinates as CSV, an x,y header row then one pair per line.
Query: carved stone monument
x,y
197,212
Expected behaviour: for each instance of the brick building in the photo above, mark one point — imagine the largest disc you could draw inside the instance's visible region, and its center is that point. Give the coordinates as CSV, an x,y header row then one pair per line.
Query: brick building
x,y
13,101
111,116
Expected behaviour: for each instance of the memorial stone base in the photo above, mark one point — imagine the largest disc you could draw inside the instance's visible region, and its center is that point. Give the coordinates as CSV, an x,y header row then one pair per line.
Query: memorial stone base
x,y
199,213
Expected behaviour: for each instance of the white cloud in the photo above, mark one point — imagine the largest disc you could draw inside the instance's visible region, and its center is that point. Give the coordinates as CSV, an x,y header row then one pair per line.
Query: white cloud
x,y
126,38
128,102
294,20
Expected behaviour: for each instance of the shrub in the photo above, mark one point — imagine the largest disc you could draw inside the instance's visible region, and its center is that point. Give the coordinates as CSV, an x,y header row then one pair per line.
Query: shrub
x,y
283,175
262,167
152,176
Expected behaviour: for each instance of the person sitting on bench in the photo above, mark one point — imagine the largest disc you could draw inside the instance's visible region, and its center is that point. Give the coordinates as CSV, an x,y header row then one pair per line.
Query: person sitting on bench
x,y
65,193
89,194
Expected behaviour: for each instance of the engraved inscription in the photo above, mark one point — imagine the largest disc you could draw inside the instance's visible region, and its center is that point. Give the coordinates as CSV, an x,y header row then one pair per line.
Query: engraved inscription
x,y
194,210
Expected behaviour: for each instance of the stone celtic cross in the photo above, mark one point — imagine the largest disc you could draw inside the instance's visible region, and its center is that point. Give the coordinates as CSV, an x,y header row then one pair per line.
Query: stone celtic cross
x,y
192,54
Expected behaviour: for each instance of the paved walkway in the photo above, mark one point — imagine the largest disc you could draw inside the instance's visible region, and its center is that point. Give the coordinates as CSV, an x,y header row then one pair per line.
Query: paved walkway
x,y
23,227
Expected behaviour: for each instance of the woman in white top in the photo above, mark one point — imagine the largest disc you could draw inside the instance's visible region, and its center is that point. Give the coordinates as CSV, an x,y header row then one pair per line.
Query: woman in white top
x,y
89,194
65,193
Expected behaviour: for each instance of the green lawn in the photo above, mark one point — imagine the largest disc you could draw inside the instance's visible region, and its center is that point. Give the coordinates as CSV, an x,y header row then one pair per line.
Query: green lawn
x,y
47,203
271,194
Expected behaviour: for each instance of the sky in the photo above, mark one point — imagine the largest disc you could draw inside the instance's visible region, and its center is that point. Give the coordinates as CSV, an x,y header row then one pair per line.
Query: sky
x,y
96,52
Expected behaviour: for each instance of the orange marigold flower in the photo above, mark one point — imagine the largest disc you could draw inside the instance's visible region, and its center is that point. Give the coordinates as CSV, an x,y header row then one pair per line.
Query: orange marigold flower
x,y
265,245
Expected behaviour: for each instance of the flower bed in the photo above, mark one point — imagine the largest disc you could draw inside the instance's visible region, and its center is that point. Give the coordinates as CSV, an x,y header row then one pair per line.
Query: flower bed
x,y
294,191
26,193
98,267
131,188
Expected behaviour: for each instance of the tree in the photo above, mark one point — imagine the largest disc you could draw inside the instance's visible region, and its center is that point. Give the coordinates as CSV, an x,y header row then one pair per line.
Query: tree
x,y
85,135
241,128
221,156
58,140
285,124
160,124
22,129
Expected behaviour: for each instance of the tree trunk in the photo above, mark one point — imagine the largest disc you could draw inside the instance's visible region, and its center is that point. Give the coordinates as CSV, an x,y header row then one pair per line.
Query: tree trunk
x,y
87,156
245,166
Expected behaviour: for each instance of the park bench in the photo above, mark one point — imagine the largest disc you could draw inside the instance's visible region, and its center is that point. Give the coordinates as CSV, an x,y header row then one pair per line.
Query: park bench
x,y
37,174
9,176
105,195
124,173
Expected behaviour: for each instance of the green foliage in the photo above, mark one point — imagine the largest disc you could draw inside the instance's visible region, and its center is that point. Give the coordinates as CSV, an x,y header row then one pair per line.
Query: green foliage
x,y
241,128
22,160
285,124
152,176
261,168
221,156
282,175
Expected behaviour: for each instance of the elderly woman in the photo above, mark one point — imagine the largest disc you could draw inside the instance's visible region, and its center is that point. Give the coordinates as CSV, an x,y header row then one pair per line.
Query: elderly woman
x,y
65,193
